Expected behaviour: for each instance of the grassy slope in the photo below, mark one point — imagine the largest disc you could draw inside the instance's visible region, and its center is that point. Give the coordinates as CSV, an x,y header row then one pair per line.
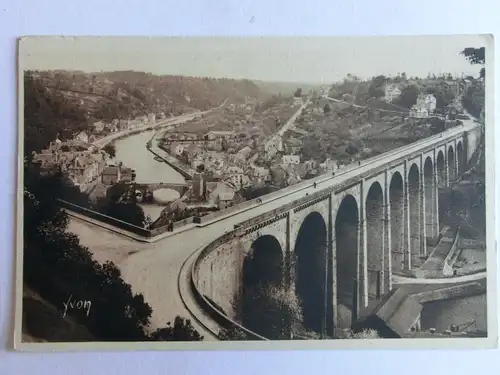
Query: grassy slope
x,y
43,322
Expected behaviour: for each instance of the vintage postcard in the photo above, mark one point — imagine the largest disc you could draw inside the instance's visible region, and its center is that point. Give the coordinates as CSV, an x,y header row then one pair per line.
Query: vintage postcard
x,y
253,193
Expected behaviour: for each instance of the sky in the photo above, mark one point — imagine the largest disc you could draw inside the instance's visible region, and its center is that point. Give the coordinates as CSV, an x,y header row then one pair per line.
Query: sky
x,y
319,60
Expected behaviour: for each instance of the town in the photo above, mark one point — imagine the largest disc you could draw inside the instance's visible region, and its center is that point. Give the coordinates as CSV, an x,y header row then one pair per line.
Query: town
x,y
248,149
191,208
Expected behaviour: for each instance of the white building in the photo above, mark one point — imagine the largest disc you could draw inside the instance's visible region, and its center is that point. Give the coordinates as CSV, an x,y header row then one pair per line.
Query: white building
x,y
274,145
218,134
176,149
417,112
83,137
290,159
430,103
99,126
329,165
151,118
391,92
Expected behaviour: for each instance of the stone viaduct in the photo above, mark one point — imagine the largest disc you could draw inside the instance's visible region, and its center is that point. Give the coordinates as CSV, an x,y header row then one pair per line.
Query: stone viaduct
x,y
339,246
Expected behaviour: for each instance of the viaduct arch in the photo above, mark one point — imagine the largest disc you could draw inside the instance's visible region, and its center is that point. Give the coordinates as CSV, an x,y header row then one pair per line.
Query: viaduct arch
x,y
396,199
309,270
347,238
337,244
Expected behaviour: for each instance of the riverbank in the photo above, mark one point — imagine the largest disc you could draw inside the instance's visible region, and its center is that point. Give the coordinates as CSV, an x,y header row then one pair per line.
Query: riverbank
x,y
132,152
173,162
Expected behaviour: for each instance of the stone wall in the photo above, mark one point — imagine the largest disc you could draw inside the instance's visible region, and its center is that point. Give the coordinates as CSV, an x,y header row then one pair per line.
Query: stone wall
x,y
218,274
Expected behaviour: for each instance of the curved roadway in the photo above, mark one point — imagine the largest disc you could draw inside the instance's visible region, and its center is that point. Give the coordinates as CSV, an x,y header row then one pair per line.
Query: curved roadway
x,y
448,280
153,268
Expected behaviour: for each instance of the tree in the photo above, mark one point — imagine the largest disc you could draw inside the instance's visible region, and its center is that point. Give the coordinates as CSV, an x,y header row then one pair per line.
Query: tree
x,y
474,99
182,330
233,334
48,115
57,267
476,56
269,310
110,149
298,93
326,109
377,86
351,149
364,334
408,96
333,92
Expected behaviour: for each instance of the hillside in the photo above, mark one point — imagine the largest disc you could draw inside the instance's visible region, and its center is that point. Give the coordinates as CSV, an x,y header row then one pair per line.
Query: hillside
x,y
60,103
124,94
42,322
284,88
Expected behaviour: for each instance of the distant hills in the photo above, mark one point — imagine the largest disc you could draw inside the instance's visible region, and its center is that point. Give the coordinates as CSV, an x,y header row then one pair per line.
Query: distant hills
x,y
123,94
284,88
59,102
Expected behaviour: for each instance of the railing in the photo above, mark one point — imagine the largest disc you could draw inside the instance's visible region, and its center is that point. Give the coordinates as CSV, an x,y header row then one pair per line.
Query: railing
x,y
414,149
105,218
411,151
120,224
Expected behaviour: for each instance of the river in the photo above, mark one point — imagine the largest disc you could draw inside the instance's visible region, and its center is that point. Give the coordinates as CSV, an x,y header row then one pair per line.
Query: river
x,y
442,314
132,152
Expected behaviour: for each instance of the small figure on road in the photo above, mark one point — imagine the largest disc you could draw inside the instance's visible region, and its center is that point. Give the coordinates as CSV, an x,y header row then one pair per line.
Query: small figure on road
x,y
314,185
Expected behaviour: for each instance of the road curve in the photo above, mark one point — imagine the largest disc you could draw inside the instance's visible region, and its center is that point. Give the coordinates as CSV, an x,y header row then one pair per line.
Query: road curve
x,y
447,280
153,270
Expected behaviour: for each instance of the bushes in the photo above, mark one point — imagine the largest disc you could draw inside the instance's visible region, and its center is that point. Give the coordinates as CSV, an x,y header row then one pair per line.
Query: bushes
x,y
182,330
57,266
270,311
364,334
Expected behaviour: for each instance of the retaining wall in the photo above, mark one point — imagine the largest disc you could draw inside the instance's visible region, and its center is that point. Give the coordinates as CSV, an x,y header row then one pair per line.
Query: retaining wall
x,y
104,218
174,164
146,233
452,256
200,293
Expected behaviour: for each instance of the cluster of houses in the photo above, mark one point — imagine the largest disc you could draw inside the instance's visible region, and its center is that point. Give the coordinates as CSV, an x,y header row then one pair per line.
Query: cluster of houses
x,y
100,127
393,91
179,143
425,106
81,162
223,163
214,193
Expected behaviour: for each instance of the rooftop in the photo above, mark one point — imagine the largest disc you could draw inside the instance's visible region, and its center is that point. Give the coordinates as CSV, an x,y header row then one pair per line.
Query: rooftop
x,y
111,170
226,196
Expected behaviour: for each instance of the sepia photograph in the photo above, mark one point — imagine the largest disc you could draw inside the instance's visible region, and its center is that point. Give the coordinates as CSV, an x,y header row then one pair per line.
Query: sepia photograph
x,y
327,190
